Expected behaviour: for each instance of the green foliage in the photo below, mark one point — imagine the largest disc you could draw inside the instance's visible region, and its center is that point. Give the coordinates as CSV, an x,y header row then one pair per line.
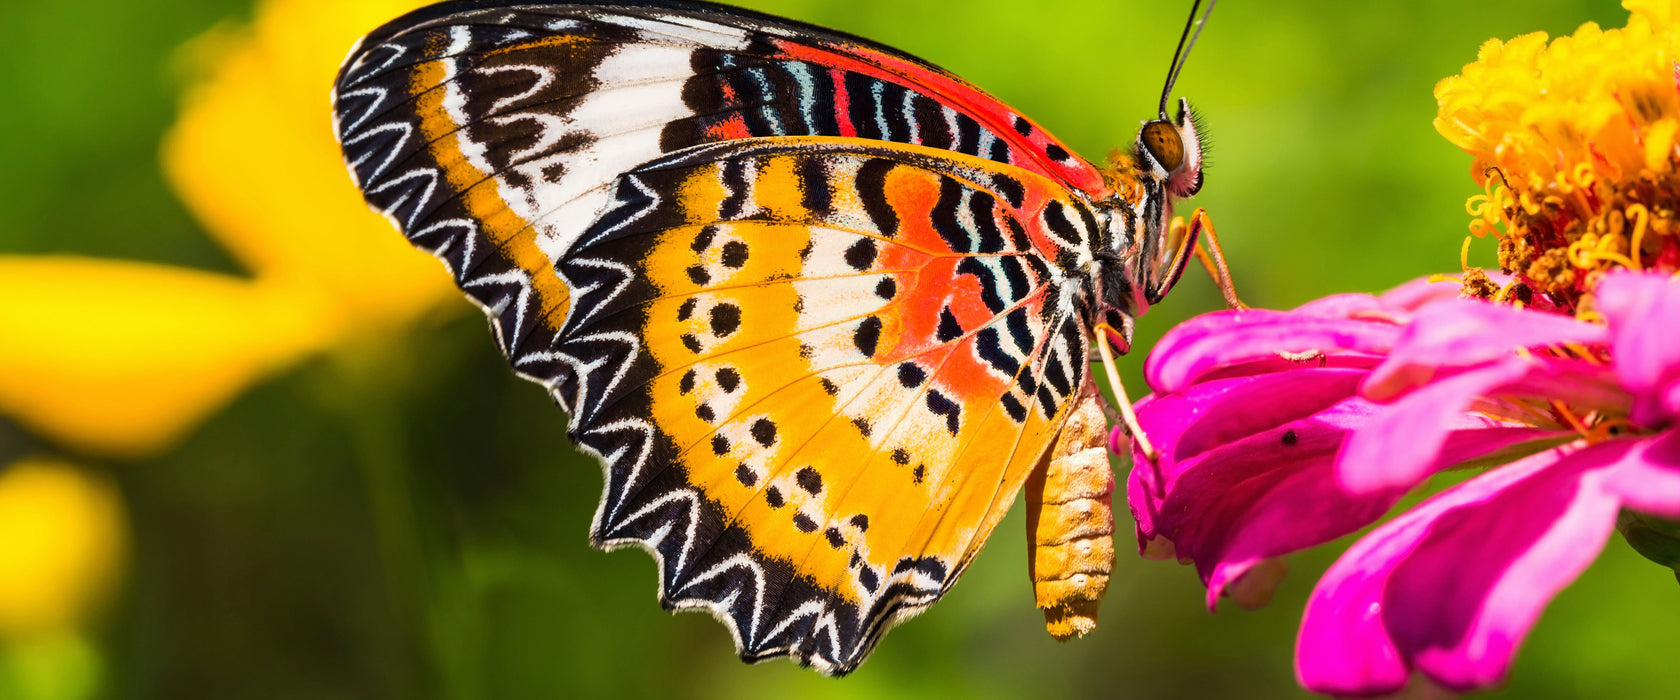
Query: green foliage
x,y
421,533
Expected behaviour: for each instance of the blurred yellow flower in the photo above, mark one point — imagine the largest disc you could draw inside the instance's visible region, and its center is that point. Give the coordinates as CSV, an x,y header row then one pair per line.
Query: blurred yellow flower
x,y
124,358
62,538
1575,143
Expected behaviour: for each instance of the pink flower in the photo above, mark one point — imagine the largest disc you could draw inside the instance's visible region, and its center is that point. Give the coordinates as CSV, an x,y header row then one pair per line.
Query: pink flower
x,y
1284,430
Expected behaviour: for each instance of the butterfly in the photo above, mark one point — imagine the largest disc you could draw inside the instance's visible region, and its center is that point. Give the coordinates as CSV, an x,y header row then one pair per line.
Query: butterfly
x,y
822,310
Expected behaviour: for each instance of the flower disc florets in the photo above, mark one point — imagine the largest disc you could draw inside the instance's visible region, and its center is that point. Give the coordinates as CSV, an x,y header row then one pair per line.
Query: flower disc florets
x,y
1575,143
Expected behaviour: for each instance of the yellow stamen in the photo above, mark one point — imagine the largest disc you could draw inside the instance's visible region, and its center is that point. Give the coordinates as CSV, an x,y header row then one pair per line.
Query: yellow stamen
x,y
1642,216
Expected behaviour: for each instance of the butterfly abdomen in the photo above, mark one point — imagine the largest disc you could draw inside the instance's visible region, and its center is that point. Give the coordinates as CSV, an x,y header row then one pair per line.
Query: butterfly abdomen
x,y
1070,522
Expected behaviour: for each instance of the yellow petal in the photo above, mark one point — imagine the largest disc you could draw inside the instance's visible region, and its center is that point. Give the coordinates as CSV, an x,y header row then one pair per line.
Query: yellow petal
x,y
123,358
62,539
253,157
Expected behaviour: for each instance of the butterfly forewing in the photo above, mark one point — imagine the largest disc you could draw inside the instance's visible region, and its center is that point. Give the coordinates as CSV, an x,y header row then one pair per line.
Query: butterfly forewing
x,y
801,294
491,132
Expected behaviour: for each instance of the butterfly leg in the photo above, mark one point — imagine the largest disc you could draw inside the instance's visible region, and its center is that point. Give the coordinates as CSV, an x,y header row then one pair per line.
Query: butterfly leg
x,y
1213,258
1070,521
1127,414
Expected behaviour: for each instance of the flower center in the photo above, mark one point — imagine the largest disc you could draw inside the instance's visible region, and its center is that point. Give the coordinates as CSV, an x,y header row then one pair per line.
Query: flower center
x,y
1556,238
1574,143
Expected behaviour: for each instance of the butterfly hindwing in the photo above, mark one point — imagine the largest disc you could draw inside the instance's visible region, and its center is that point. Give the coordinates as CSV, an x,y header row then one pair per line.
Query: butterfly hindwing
x,y
834,362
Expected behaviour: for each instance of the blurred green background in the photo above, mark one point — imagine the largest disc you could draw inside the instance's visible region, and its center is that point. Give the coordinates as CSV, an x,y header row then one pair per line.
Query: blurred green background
x,y
414,525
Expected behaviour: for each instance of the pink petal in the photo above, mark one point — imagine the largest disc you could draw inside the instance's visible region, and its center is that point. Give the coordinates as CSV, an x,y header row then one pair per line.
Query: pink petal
x,y
1209,342
1464,332
1649,479
1453,586
1247,468
1399,447
1187,424
1647,349
1304,507
1342,306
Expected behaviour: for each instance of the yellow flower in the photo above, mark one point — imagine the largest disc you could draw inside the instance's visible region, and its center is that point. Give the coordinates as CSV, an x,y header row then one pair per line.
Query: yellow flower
x,y
1574,142
123,358
62,538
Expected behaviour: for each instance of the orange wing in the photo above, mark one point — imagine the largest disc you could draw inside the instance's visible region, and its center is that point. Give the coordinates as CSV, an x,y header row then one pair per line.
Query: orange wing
x,y
818,371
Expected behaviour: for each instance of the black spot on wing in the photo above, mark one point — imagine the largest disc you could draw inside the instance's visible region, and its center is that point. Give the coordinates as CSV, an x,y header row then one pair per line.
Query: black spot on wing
x,y
949,329
725,319
988,344
734,255
809,479
1013,406
728,379
1055,216
869,579
861,255
1012,190
764,431
1018,322
814,188
868,336
734,177
872,187
981,208
942,405
703,239
944,216
910,375
745,475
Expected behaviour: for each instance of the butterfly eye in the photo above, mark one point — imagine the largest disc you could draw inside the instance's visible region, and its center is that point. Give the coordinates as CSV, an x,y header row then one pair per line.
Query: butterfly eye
x,y
1161,139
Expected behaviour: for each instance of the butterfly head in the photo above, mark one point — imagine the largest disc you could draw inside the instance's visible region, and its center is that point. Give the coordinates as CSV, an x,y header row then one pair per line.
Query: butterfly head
x,y
1170,151
1146,249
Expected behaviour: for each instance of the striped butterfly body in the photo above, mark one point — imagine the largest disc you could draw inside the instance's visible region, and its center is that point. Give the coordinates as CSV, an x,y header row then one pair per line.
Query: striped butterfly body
x,y
820,309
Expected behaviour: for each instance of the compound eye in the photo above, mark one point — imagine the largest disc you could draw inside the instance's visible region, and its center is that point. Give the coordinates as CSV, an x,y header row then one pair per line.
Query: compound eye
x,y
1163,142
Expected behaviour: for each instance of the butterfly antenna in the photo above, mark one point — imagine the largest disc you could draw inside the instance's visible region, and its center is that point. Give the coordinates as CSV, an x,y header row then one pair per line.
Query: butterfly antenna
x,y
1192,31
